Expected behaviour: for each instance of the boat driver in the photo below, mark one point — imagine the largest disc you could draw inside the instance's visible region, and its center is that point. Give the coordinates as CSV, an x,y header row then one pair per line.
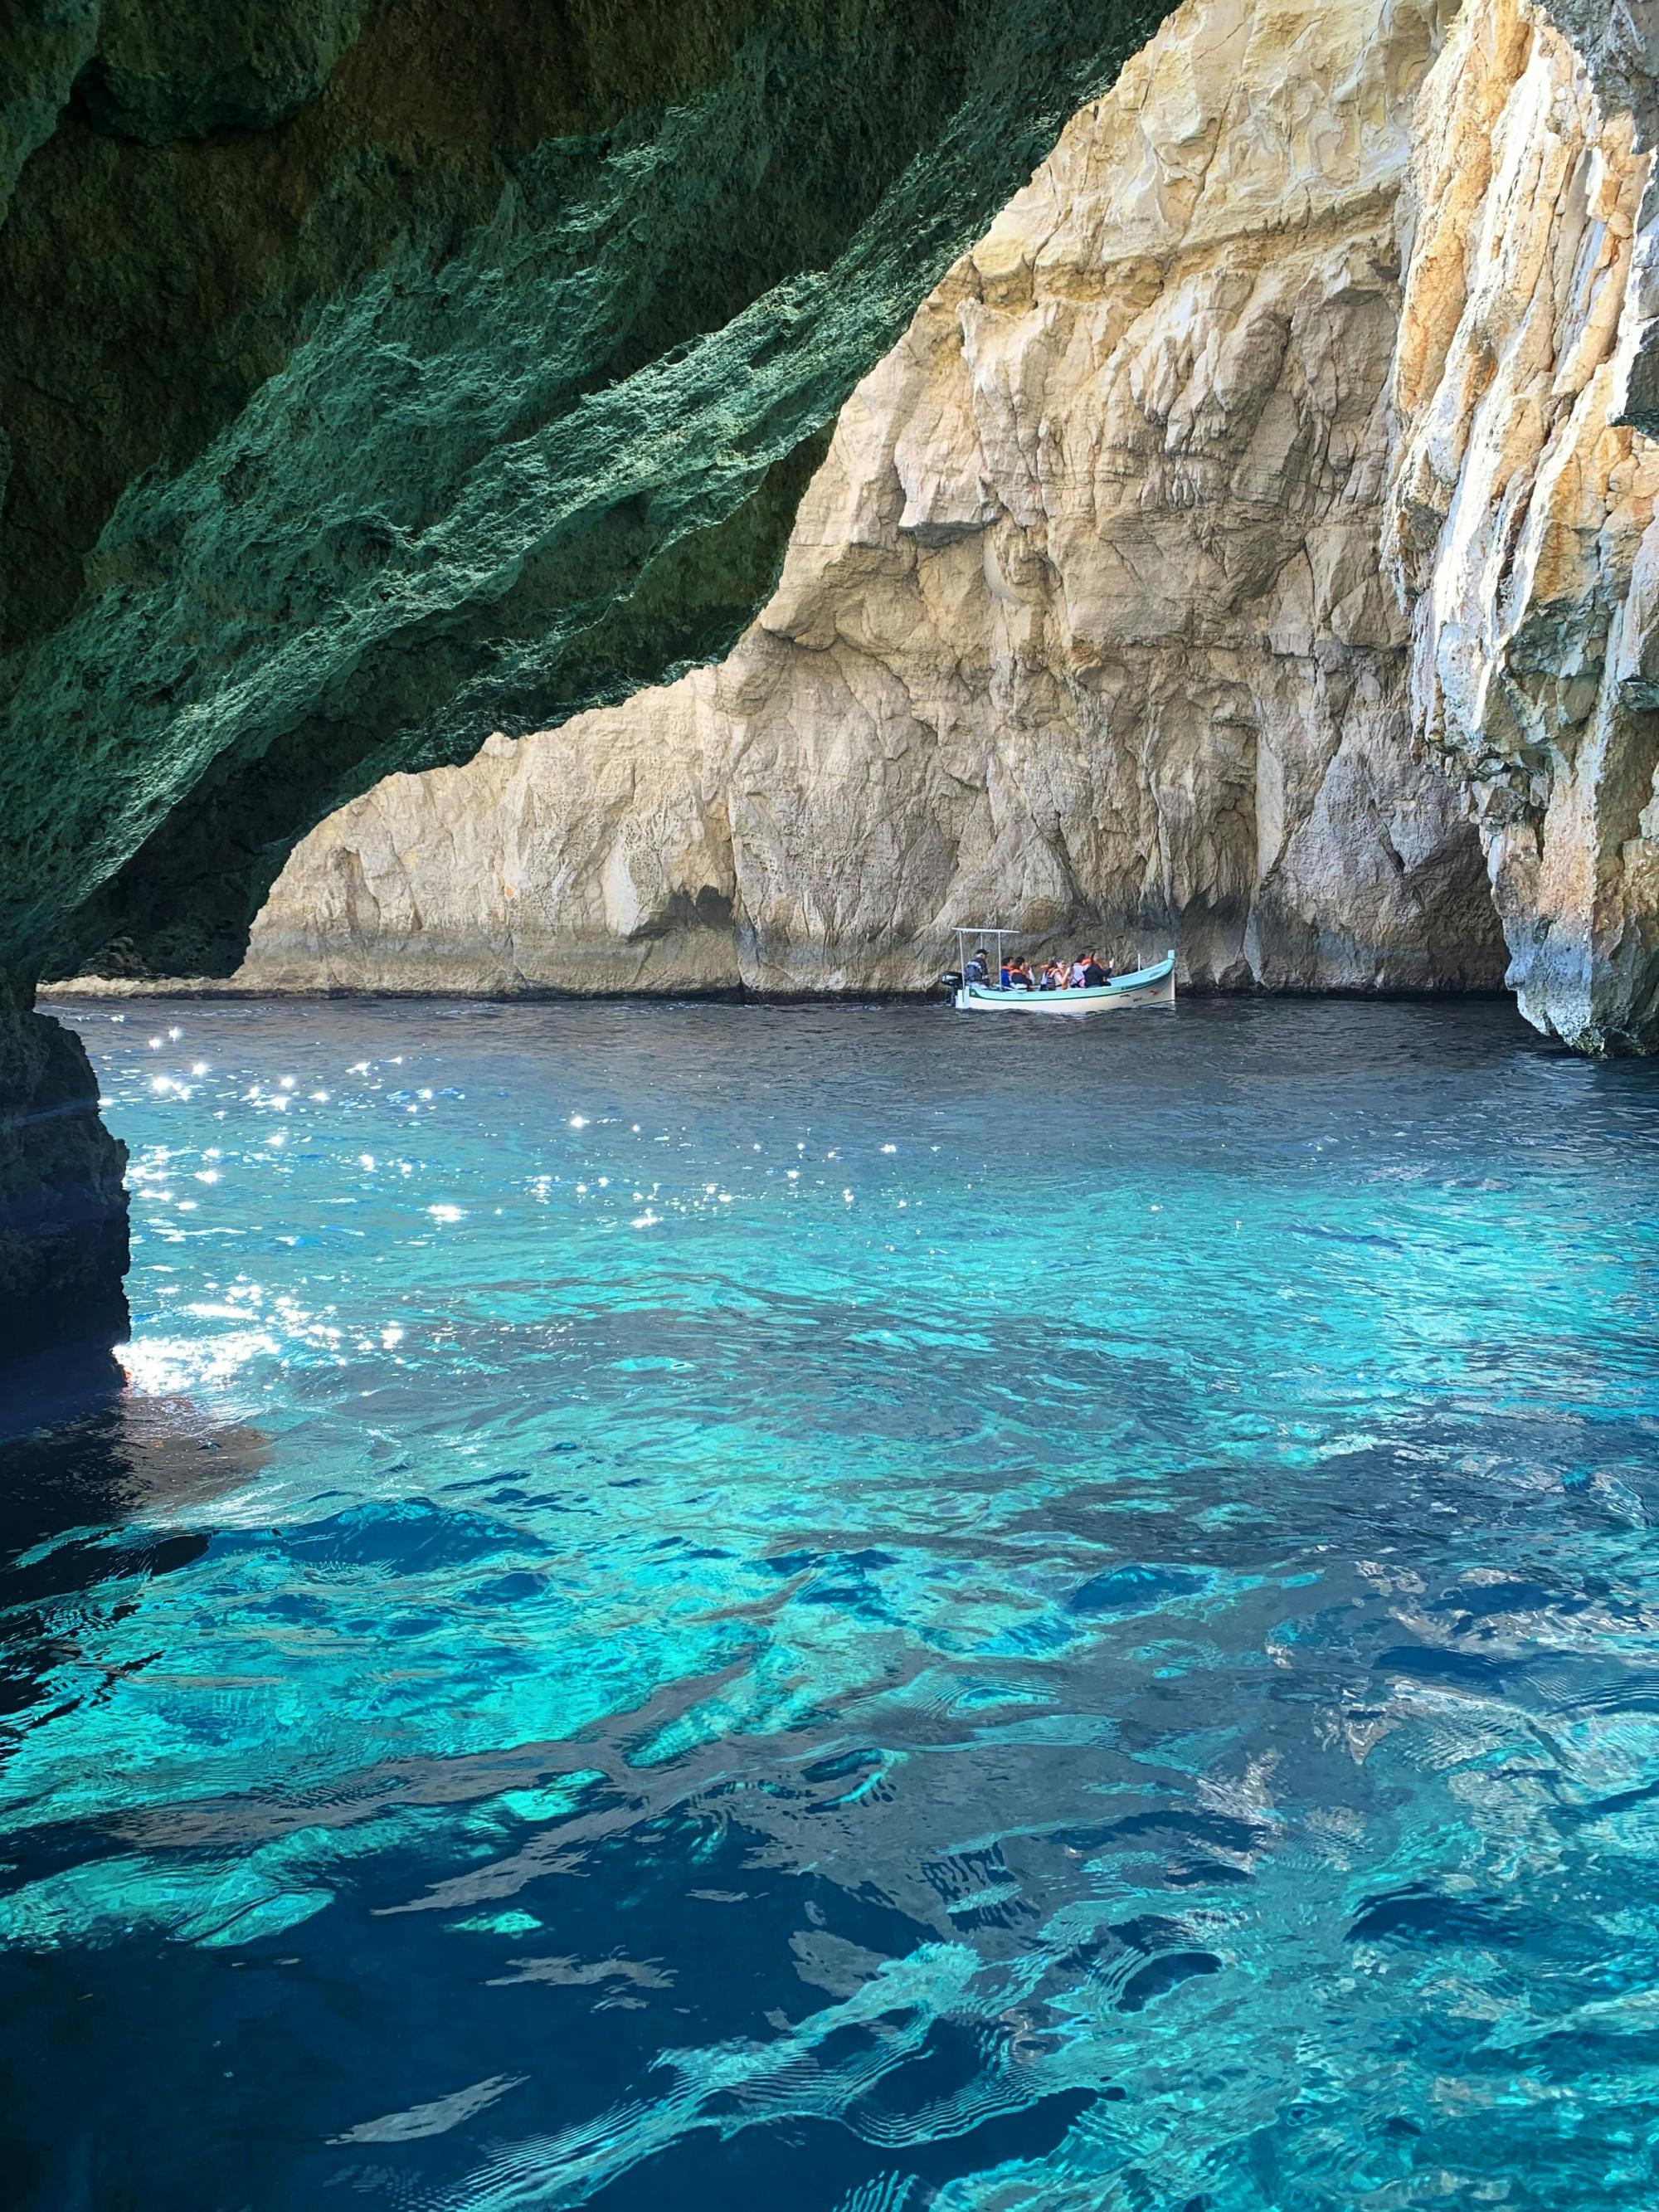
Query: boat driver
x,y
978,970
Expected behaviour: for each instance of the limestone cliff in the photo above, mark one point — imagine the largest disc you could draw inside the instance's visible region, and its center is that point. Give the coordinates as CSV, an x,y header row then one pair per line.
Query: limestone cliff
x,y
1521,525
1082,625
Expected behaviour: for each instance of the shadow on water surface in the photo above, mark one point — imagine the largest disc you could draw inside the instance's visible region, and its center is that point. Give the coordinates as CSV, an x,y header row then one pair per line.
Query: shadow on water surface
x,y
792,1606
99,1491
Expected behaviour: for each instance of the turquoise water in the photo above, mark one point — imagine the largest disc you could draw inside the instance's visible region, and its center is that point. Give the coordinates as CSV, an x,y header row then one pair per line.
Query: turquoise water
x,y
820,1608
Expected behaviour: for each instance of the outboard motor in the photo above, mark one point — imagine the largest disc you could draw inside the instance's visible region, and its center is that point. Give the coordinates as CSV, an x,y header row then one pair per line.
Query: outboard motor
x,y
951,983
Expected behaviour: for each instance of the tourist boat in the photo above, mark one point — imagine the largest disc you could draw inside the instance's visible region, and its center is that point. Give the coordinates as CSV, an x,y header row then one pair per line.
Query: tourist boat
x,y
1152,985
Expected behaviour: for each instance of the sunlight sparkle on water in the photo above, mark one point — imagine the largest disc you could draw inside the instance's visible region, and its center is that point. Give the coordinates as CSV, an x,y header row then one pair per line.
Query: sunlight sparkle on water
x,y
1140,1695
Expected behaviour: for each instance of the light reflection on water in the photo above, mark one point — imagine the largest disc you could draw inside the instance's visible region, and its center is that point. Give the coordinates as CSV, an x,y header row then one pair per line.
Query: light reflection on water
x,y
812,1607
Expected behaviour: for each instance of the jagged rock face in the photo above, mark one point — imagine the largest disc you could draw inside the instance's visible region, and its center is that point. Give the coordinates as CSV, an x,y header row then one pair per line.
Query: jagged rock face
x,y
378,374
1082,625
1521,513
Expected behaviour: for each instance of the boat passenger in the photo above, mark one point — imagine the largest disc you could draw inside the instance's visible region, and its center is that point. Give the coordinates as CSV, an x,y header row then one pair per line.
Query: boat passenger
x,y
1076,972
1006,976
1093,974
979,970
1049,980
1019,975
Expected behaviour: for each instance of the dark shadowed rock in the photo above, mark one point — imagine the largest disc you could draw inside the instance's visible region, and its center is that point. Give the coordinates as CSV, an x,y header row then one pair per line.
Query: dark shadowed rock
x,y
370,393
63,1203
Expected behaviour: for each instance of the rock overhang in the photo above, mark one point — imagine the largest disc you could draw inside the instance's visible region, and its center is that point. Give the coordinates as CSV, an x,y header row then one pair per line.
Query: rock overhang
x,y
412,386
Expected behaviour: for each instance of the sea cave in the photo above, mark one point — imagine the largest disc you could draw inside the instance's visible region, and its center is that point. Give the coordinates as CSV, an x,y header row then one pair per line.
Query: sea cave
x,y
642,1557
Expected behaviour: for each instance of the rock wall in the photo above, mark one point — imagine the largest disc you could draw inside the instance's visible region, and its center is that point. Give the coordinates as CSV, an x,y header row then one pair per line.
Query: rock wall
x,y
1521,518
378,374
63,1203
375,374
1082,625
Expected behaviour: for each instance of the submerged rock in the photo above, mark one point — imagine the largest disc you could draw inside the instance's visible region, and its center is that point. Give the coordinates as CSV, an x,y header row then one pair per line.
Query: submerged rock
x,y
1082,625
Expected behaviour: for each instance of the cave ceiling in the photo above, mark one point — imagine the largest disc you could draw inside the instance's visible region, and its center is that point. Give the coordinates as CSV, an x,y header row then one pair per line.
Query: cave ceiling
x,y
375,375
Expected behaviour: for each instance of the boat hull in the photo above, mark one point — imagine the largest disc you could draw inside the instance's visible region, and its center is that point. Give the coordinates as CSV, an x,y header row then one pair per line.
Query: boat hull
x,y
1146,987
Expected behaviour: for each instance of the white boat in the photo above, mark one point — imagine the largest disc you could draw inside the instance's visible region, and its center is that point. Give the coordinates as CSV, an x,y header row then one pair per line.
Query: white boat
x,y
1152,985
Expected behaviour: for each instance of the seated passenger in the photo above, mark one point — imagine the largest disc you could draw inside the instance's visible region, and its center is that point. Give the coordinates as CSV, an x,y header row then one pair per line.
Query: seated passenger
x,y
1050,978
1005,977
1019,973
1077,973
1093,974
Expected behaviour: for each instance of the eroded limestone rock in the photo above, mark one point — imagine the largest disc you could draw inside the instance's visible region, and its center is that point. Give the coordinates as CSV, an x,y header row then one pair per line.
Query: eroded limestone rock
x,y
1520,525
1081,626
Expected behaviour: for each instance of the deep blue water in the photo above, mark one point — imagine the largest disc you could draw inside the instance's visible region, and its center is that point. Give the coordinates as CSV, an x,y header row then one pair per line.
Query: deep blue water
x,y
843,1609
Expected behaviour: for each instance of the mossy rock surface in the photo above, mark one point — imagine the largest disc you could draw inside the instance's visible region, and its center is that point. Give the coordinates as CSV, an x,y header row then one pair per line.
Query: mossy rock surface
x,y
380,374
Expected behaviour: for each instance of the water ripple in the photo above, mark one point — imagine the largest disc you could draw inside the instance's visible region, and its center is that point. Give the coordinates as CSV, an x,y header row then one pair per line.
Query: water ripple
x,y
793,1606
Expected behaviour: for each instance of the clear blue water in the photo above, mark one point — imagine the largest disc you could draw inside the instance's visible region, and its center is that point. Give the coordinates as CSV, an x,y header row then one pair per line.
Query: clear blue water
x,y
822,1608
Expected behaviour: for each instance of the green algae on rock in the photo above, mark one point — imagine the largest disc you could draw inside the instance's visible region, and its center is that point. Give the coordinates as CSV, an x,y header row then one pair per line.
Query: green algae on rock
x,y
373,377
498,476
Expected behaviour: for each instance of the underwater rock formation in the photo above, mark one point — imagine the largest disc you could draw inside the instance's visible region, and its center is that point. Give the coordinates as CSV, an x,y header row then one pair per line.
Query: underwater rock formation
x,y
1521,507
1082,625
